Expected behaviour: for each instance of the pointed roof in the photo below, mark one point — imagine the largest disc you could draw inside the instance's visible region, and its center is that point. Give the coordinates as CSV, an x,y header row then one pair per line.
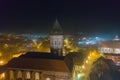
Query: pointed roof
x,y
56,28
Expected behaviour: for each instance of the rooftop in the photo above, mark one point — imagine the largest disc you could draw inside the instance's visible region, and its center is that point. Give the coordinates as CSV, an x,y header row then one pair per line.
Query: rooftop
x,y
38,64
42,55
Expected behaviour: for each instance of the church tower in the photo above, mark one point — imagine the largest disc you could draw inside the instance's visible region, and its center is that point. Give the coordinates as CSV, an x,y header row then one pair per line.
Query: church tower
x,y
56,39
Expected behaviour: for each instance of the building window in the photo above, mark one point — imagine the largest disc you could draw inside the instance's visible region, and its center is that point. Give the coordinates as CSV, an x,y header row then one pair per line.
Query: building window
x,y
48,79
19,75
11,75
37,77
28,75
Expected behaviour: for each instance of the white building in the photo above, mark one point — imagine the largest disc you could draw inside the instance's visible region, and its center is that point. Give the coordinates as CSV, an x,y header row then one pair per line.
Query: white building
x,y
111,50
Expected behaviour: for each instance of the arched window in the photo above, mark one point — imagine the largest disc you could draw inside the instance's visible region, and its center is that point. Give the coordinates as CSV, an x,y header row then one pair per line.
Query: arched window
x,y
28,75
37,76
12,75
48,78
19,75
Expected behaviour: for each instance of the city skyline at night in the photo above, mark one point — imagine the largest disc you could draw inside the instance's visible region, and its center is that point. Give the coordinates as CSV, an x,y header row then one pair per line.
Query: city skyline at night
x,y
59,40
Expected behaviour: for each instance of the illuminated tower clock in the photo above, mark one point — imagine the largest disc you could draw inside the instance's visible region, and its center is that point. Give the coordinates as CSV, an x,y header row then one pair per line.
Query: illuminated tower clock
x,y
56,39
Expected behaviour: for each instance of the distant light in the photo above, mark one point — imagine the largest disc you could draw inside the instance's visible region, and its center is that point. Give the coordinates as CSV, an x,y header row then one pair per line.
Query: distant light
x,y
78,75
3,75
83,66
1,62
6,46
89,57
86,61
34,40
116,38
84,38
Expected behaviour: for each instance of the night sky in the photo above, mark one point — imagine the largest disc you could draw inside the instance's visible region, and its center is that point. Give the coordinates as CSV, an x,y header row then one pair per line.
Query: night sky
x,y
37,16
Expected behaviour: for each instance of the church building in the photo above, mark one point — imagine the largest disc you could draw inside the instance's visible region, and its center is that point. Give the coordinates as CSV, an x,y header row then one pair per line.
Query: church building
x,y
41,65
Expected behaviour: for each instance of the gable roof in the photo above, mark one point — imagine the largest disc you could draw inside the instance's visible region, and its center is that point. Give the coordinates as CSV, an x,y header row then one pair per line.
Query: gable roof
x,y
42,55
39,61
38,64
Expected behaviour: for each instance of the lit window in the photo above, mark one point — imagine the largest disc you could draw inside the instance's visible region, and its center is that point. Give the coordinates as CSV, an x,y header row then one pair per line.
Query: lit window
x,y
11,73
36,76
116,50
48,79
19,74
28,75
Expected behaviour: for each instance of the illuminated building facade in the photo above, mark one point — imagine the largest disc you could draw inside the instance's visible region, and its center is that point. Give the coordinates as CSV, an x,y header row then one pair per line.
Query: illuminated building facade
x,y
111,50
39,65
56,39
36,66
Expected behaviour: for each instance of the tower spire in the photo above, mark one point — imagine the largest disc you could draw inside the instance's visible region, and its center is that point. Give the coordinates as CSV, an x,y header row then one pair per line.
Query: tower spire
x,y
56,39
56,28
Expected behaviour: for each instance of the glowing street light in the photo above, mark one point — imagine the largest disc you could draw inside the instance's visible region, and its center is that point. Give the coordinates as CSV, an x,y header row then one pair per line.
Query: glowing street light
x,y
6,46
1,62
79,76
83,67
88,57
86,61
